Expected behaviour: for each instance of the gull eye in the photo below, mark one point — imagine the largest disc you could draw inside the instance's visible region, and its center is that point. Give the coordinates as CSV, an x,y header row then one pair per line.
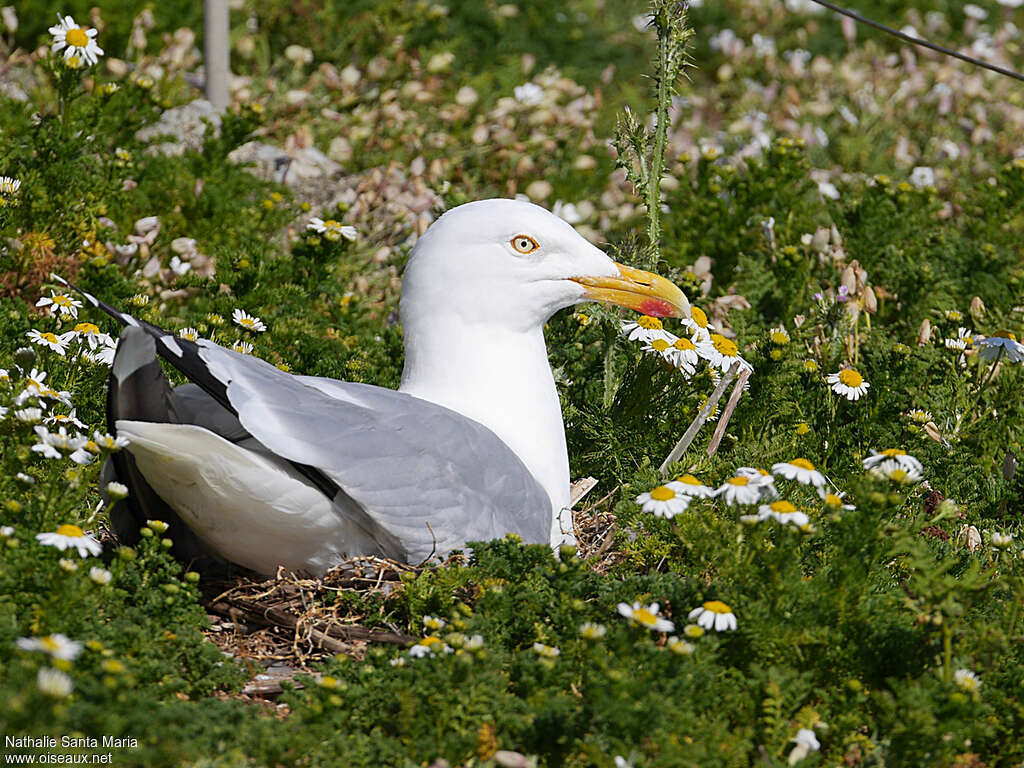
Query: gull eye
x,y
524,244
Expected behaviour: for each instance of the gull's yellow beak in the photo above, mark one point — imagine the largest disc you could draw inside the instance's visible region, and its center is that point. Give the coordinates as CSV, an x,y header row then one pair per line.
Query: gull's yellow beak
x,y
641,291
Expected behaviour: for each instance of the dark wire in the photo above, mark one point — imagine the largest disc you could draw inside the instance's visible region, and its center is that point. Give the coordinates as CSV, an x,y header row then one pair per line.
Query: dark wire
x,y
918,41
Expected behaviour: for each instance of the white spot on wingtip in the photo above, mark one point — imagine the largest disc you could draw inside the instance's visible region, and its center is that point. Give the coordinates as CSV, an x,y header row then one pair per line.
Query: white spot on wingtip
x,y
171,343
130,320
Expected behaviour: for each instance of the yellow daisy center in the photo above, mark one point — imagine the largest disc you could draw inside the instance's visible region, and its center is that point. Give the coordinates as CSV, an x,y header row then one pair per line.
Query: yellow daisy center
x,y
850,378
48,643
739,481
892,452
802,463
87,328
49,337
430,641
247,322
61,300
833,501
779,338
782,506
645,617
60,417
724,345
688,479
72,531
659,345
683,344
898,475
717,606
662,493
77,37
650,323
699,317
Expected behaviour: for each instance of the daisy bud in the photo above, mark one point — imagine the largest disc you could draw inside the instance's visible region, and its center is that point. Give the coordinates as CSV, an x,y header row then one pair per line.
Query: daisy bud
x,y
977,308
117,491
933,431
924,333
849,279
870,300
819,242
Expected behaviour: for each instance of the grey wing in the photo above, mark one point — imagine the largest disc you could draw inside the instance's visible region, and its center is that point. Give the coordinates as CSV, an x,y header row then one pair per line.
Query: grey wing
x,y
429,476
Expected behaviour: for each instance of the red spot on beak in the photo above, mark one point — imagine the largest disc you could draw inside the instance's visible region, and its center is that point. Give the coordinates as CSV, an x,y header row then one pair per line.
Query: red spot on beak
x,y
656,308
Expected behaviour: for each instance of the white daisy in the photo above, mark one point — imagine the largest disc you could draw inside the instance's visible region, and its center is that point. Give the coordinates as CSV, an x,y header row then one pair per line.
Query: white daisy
x,y
698,324
29,415
54,683
242,347
100,576
67,536
679,646
721,352
116,491
963,339
783,512
896,472
54,444
919,416
903,459
58,344
108,442
90,334
74,40
331,229
848,383
663,501
740,490
9,186
714,615
835,501
247,321
429,646
682,353
800,470
967,680
434,623
64,418
764,479
646,616
189,334
591,631
57,646
1000,540
546,651
6,531
778,336
659,345
60,303
104,353
644,329
1003,344
688,485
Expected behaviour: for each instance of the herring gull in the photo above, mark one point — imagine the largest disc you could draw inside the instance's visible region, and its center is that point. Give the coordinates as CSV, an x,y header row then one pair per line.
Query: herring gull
x,y
264,468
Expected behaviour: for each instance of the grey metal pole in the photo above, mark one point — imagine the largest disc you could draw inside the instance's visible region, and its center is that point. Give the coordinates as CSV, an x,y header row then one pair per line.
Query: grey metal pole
x,y
216,52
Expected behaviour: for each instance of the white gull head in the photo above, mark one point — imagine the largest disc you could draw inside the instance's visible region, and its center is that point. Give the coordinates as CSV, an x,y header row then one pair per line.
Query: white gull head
x,y
478,289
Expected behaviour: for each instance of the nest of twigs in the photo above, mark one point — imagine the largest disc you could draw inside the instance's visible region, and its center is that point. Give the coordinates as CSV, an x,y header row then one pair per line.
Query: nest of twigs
x,y
283,625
